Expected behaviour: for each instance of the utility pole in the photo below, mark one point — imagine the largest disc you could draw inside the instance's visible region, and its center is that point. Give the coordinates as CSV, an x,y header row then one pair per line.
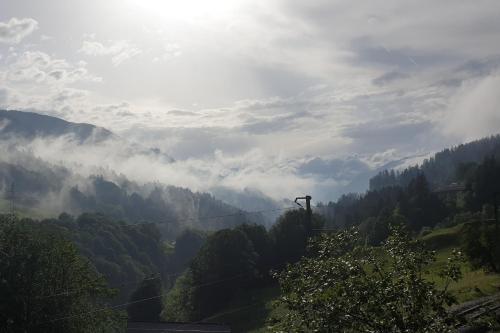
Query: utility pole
x,y
307,198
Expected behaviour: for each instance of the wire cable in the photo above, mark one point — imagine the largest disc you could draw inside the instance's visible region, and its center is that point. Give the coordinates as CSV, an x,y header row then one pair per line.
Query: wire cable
x,y
75,291
116,286
210,217
139,301
162,294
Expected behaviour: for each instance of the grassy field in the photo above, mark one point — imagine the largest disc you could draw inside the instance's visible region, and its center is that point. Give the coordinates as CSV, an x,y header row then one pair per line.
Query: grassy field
x,y
475,282
250,311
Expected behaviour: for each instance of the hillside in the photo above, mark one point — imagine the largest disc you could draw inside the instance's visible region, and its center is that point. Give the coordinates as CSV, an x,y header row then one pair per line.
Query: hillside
x,y
441,169
53,172
29,125
476,282
49,191
252,311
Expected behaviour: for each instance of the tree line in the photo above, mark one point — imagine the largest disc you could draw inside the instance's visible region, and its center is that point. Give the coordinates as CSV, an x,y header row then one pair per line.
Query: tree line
x,y
441,168
71,265
232,260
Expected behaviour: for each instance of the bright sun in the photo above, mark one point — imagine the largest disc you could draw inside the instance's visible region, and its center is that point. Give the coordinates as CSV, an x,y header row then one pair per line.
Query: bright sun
x,y
186,10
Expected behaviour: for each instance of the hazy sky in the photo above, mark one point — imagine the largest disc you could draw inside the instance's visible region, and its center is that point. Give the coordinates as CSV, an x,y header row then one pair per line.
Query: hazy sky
x,y
262,84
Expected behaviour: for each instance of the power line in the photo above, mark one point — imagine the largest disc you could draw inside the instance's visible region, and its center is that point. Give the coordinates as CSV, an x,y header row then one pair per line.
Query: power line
x,y
210,217
241,213
140,300
117,286
76,291
65,293
162,294
240,309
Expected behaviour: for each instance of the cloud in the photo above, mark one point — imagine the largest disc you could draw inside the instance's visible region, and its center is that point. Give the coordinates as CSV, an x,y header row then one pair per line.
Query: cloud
x,y
384,131
275,124
119,50
15,30
366,52
39,67
117,157
35,81
182,113
45,38
4,94
120,112
168,52
340,169
271,103
405,137
69,94
472,69
192,143
474,109
389,77
283,82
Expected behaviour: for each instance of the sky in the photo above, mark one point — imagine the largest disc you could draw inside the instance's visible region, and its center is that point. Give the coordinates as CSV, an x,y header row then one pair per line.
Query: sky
x,y
282,96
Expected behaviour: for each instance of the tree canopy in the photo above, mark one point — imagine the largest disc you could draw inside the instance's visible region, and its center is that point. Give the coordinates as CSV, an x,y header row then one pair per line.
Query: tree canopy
x,y
47,286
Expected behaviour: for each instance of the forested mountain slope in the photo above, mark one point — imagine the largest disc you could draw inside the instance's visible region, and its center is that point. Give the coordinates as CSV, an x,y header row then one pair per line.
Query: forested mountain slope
x,y
415,196
39,179
442,168
51,191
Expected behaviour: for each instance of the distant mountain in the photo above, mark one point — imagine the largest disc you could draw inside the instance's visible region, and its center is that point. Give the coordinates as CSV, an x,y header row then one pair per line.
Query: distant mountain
x,y
29,125
441,168
21,125
49,191
41,189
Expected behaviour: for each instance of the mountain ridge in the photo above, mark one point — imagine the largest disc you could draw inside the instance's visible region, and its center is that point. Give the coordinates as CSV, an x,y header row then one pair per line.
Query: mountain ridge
x,y
30,125
440,168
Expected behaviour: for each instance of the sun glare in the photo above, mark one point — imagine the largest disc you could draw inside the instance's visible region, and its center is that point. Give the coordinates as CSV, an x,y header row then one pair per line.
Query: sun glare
x,y
186,10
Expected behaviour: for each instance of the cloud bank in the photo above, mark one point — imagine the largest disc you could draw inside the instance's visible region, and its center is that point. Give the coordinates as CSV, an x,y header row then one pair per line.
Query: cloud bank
x,y
119,50
15,30
283,96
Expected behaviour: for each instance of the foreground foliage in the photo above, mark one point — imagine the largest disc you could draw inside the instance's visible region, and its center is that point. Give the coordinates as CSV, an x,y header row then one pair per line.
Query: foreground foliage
x,y
344,287
482,245
46,286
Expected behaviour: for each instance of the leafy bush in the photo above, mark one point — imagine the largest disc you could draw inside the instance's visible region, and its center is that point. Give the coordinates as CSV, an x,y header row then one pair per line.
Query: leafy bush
x,y
345,287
